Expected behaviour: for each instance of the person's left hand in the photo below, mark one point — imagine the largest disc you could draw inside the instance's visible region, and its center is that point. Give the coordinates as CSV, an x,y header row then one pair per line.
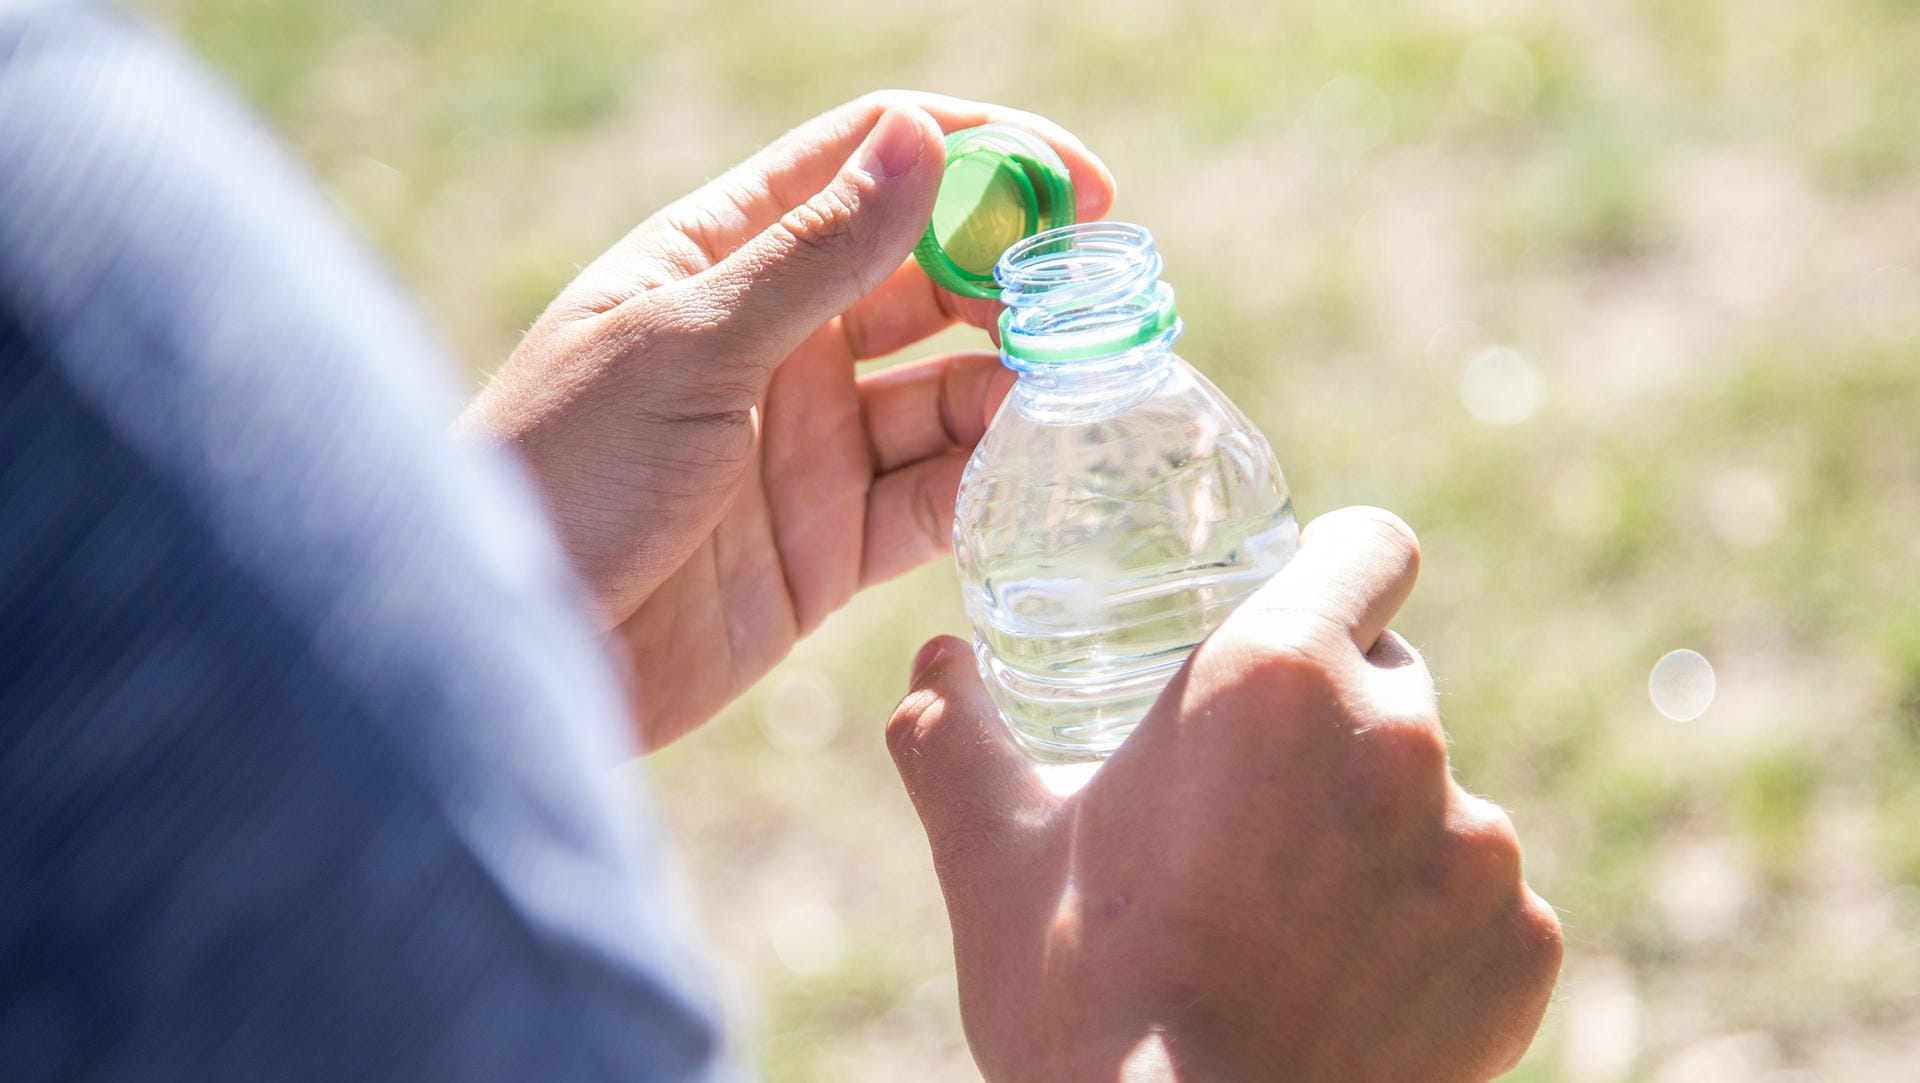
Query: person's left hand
x,y
719,476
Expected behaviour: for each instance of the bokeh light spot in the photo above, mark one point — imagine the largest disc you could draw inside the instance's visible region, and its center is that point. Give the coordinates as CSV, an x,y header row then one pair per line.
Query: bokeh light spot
x,y
800,710
1682,685
1500,387
806,934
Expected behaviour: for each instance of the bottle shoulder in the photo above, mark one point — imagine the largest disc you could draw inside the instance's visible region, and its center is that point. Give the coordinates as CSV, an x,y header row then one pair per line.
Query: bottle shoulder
x,y
1180,412
1182,452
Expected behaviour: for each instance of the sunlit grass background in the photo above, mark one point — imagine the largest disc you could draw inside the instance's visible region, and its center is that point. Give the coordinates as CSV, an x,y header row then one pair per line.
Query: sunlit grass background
x,y
1615,302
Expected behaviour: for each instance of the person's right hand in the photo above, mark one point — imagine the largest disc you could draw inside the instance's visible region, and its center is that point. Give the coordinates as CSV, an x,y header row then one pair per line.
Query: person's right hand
x,y
1275,877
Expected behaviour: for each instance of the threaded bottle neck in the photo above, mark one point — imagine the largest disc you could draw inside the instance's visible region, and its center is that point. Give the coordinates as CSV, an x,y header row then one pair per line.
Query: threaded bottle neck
x,y
1083,293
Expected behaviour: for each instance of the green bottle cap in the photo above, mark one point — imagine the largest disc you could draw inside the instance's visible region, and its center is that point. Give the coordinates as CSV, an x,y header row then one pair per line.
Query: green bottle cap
x,y
1002,185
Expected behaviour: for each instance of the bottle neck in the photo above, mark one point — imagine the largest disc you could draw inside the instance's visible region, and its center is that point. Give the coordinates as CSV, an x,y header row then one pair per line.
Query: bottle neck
x,y
1092,388
1088,320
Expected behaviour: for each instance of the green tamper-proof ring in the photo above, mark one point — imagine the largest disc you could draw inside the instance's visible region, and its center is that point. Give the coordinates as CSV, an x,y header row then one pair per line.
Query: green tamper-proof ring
x,y
1002,184
1157,318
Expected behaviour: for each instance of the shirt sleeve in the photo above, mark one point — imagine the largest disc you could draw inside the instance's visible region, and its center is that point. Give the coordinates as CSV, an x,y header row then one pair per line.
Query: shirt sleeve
x,y
306,754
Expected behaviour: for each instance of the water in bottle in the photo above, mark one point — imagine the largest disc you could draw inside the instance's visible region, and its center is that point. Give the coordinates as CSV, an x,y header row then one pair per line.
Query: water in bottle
x,y
1119,506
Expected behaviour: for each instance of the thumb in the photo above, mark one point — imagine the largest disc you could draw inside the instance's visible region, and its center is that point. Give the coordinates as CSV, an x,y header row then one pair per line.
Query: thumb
x,y
838,245
972,785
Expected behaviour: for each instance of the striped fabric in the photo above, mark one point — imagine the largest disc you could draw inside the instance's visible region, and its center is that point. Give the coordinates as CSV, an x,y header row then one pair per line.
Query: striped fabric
x,y
305,751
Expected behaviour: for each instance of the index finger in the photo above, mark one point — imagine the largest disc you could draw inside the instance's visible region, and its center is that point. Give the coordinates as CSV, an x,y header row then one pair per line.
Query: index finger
x,y
1355,569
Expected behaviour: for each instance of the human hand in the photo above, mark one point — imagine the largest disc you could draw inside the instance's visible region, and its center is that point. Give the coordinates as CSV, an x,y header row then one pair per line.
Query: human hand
x,y
1274,878
688,405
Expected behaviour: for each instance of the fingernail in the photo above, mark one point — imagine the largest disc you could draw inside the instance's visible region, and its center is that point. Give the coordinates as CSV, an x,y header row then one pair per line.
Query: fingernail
x,y
928,655
893,147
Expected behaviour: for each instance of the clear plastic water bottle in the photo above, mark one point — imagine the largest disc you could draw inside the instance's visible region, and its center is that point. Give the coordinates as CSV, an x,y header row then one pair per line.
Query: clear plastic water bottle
x,y
1119,506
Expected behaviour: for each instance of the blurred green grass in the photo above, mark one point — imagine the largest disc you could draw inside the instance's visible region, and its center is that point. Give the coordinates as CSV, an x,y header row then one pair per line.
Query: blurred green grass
x,y
1697,222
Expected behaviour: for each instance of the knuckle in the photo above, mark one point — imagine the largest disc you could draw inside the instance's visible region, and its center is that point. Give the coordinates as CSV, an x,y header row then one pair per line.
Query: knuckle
x,y
1292,646
1391,531
1540,931
686,312
1483,855
876,102
703,223
1405,699
1402,769
1406,753
917,713
1523,977
825,221
1394,528
1395,536
1265,676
